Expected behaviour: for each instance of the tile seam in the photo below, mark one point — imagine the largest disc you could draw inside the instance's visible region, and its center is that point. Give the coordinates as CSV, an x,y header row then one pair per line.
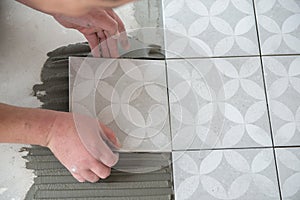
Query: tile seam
x,y
267,99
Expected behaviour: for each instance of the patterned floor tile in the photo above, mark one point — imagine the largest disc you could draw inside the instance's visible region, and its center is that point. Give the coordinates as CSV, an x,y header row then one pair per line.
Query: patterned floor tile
x,y
279,26
289,172
217,103
130,96
283,88
196,28
225,174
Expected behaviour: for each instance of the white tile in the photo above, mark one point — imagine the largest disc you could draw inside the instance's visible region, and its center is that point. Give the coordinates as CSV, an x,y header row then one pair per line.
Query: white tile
x,y
217,103
129,96
283,89
279,26
288,161
196,28
225,174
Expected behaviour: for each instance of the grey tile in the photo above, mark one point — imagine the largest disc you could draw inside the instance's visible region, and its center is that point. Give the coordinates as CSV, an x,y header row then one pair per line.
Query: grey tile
x,y
279,26
225,174
129,96
196,28
283,89
217,103
288,161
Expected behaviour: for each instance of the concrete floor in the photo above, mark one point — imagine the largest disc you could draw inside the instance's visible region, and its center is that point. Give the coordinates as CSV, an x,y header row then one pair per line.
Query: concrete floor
x,y
26,36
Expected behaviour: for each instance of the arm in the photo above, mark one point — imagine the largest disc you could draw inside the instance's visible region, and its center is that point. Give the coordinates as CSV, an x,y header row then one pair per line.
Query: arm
x,y
72,8
57,131
25,125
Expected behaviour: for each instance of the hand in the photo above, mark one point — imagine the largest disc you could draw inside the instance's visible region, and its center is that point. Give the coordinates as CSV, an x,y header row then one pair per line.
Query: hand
x,y
100,27
80,148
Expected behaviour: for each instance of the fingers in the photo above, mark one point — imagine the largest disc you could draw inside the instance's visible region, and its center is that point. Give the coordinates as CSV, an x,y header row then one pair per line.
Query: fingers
x,y
113,45
100,26
105,155
89,176
93,41
90,134
103,44
101,170
123,35
104,21
110,135
78,177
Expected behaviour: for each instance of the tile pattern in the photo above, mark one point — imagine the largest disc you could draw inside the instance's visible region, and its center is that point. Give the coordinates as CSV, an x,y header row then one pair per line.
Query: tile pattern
x,y
283,89
217,103
130,96
214,103
196,28
279,26
289,172
250,174
202,91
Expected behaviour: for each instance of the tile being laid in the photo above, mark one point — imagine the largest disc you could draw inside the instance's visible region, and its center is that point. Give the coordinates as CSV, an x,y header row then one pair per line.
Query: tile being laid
x,y
279,26
195,28
129,96
288,160
225,174
283,89
217,103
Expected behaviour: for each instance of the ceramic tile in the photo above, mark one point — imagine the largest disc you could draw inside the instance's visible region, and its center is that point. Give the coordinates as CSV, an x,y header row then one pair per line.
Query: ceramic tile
x,y
225,174
283,89
288,161
129,96
279,26
196,28
217,103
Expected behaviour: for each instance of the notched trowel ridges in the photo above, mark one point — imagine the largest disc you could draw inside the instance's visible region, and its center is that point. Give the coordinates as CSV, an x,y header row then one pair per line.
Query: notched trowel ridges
x,y
105,193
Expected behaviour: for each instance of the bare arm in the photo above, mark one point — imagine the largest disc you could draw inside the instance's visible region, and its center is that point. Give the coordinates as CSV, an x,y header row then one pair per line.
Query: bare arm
x,y
72,8
25,125
57,131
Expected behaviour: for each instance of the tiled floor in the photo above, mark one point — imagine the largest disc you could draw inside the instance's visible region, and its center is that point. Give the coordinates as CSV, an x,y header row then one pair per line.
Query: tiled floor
x,y
232,102
227,98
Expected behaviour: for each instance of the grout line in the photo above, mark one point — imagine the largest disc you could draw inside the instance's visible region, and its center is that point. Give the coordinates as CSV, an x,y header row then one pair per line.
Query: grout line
x,y
240,56
224,148
267,100
213,57
280,55
169,106
287,147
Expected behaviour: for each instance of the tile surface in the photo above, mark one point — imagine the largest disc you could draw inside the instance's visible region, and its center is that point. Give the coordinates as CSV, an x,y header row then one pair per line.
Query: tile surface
x,y
283,89
279,26
196,28
130,96
289,172
225,174
217,103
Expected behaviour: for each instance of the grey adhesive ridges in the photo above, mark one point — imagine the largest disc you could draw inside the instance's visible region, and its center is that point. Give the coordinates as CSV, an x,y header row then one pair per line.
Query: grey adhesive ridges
x,y
55,182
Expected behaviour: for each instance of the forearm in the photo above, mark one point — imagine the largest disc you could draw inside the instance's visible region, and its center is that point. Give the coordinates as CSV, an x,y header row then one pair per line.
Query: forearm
x,y
72,8
25,125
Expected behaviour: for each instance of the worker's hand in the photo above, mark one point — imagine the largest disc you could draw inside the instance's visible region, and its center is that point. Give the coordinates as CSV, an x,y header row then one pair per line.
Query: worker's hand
x,y
87,161
100,27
